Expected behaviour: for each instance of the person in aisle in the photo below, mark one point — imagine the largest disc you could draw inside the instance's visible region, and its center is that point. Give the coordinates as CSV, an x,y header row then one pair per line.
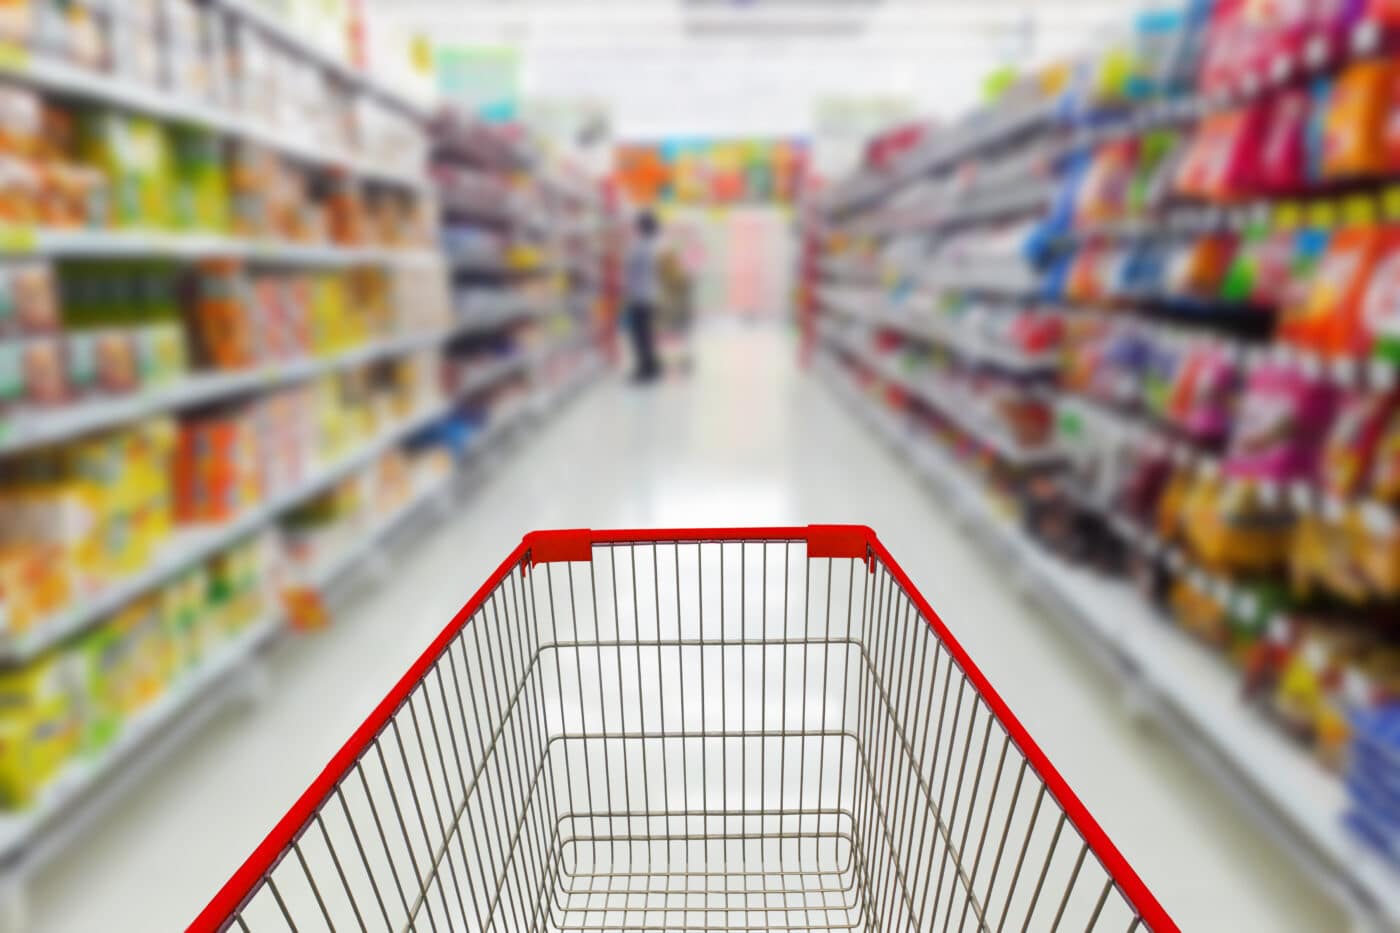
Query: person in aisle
x,y
642,292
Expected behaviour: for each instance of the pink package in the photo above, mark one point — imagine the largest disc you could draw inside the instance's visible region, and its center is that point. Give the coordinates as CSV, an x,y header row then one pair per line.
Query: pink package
x,y
1222,46
1335,19
1282,424
1282,165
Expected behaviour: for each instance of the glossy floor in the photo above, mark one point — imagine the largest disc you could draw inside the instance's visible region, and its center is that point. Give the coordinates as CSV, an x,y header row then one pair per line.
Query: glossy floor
x,y
746,441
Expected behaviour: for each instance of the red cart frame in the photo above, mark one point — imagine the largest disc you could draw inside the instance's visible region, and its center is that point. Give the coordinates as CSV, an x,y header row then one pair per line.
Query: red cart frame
x,y
655,730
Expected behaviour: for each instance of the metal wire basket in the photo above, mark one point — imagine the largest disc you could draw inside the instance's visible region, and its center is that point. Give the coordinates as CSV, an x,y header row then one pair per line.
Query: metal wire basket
x,y
764,729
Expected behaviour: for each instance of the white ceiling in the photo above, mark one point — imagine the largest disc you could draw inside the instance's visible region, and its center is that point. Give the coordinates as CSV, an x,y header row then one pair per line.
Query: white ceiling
x,y
742,67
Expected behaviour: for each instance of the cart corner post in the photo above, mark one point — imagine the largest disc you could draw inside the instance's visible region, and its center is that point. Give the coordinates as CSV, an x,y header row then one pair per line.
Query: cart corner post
x,y
853,541
569,544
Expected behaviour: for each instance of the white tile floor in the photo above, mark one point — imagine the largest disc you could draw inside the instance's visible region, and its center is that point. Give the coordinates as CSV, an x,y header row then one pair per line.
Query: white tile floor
x,y
746,441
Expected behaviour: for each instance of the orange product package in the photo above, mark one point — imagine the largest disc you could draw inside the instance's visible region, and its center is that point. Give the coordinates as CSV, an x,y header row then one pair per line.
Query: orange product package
x,y
1103,195
1197,268
223,329
1330,319
1354,129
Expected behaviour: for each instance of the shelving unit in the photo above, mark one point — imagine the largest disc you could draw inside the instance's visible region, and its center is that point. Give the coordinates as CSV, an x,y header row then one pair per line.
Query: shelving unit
x,y
553,366
1192,695
91,786
878,295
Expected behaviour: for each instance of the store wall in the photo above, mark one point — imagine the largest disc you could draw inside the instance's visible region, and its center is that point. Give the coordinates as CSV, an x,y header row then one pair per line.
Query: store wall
x,y
741,258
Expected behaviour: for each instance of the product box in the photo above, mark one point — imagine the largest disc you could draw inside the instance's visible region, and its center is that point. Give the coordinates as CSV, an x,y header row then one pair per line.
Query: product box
x,y
40,727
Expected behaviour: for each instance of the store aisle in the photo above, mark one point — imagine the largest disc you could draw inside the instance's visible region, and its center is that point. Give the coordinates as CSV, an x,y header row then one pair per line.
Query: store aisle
x,y
747,441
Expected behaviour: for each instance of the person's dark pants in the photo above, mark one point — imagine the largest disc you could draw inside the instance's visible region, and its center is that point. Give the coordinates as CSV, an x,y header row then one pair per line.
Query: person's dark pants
x,y
641,321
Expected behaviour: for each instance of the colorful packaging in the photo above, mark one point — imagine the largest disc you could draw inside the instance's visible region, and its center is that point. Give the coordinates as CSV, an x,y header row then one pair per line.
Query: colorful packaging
x,y
1282,422
1282,165
1331,321
1259,269
1315,132
1385,471
1231,528
1197,267
1322,561
1354,127
1352,443
1200,404
39,728
1380,306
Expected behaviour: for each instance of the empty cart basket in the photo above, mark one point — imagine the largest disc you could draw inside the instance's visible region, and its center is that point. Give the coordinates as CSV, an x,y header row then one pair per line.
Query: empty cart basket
x,y
762,729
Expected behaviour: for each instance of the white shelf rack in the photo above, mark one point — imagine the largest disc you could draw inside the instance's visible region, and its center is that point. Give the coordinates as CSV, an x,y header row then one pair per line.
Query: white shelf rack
x,y
55,76
36,429
190,546
1193,694
256,14
93,785
956,407
868,306
197,245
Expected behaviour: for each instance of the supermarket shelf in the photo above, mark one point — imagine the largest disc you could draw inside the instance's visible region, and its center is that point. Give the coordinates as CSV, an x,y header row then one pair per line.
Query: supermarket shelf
x,y
190,546
1192,694
956,407
943,213
195,245
255,14
1002,276
941,150
957,338
31,837
59,77
37,429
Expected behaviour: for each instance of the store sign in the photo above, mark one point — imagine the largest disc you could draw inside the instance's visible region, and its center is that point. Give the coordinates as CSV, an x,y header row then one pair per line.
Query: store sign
x,y
711,172
484,81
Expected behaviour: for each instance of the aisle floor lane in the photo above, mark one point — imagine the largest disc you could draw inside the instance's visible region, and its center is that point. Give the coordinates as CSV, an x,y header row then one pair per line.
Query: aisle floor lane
x,y
747,441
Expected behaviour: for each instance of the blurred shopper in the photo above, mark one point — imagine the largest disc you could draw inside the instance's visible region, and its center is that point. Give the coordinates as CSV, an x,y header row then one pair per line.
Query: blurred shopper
x,y
643,292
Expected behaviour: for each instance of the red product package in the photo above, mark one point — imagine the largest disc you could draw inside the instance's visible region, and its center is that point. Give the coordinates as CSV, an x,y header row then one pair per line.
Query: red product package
x,y
1282,159
1352,442
1222,162
1226,36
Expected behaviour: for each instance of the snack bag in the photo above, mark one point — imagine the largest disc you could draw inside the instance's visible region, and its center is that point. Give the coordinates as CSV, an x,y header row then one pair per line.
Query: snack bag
x,y
1352,442
1198,612
1324,559
1170,511
1231,528
1083,284
1309,245
1145,481
1281,424
1282,164
1375,540
1380,305
1103,195
1354,127
1156,375
1330,320
1200,402
1315,132
1197,268
1385,470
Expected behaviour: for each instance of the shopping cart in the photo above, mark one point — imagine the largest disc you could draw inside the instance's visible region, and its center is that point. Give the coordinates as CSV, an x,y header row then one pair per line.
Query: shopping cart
x,y
763,729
